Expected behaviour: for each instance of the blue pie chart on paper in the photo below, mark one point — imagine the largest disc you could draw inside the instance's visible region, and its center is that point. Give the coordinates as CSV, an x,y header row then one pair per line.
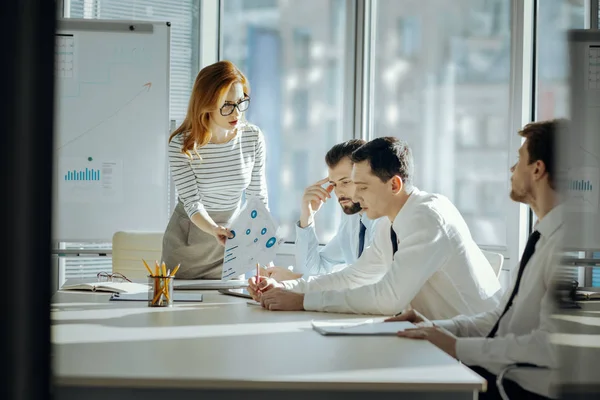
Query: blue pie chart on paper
x,y
253,214
271,242
263,231
247,231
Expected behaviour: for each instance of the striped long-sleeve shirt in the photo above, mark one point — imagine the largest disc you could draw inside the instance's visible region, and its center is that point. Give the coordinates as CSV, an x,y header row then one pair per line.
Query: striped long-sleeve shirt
x,y
217,181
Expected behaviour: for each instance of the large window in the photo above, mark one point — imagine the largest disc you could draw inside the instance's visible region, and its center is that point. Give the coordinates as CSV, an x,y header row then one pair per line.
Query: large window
x,y
296,56
440,81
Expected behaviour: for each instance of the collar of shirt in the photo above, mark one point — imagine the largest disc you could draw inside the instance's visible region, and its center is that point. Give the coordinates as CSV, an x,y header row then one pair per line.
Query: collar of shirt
x,y
369,223
406,211
551,221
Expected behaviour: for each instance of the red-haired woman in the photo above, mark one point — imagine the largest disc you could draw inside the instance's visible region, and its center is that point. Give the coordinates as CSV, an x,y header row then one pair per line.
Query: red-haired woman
x,y
215,157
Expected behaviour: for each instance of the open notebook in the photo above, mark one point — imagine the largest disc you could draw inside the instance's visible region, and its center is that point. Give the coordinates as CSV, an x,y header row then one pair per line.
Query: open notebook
x,y
110,287
360,328
587,295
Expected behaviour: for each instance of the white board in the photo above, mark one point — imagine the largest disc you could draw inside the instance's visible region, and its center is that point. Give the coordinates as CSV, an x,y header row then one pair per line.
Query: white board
x,y
111,128
579,147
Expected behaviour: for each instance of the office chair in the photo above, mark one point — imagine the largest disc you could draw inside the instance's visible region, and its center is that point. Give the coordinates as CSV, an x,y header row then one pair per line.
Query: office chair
x,y
500,377
130,247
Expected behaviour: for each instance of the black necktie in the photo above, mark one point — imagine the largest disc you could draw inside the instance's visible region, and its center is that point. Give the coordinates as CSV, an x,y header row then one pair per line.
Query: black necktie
x,y
361,238
394,241
529,249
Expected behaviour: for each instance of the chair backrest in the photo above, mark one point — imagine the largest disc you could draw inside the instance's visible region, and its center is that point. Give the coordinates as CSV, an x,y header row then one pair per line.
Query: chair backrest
x,y
130,247
495,259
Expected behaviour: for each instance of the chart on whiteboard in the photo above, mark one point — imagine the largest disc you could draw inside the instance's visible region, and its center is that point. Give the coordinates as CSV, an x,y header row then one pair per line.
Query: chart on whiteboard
x,y
582,188
255,240
88,180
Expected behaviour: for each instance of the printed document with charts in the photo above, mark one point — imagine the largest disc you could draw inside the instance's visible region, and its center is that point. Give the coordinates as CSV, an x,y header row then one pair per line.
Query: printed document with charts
x,y
367,327
255,240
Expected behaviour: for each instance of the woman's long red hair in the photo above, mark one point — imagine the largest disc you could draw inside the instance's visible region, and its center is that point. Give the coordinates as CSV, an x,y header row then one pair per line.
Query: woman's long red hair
x,y
212,83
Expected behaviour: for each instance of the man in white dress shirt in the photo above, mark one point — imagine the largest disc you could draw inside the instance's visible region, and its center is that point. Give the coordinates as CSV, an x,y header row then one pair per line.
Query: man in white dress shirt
x,y
428,260
518,330
356,230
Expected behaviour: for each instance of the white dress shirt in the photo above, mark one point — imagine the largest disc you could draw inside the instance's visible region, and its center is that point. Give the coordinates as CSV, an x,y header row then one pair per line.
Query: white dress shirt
x,y
523,334
341,251
438,269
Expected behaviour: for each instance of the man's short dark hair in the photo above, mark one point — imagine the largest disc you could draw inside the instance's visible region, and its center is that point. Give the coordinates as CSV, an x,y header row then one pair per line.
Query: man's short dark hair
x,y
388,157
541,137
341,150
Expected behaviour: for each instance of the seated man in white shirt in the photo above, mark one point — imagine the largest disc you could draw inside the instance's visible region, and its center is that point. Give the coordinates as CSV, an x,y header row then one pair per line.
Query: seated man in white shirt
x,y
354,234
518,330
427,260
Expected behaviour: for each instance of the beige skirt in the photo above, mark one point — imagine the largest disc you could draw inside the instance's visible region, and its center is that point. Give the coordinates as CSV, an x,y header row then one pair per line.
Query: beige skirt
x,y
199,254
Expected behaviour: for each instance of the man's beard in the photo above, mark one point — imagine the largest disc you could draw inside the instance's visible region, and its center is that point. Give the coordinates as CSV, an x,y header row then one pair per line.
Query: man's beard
x,y
351,209
518,197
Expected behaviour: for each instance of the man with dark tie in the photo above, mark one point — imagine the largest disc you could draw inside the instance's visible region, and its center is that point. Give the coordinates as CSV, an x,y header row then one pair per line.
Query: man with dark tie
x,y
518,330
354,234
426,259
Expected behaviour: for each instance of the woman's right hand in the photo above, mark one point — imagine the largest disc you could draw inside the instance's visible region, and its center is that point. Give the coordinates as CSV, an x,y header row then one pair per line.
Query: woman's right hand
x,y
221,234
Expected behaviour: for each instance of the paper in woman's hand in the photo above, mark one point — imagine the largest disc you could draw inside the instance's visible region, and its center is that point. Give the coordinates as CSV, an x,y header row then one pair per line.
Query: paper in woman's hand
x,y
255,240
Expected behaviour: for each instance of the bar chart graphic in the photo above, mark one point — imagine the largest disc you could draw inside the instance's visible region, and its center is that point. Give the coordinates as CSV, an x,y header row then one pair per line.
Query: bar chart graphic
x,y
580,185
90,180
86,174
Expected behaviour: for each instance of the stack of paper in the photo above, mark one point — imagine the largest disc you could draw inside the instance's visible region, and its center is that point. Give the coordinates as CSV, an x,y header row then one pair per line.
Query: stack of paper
x,y
367,327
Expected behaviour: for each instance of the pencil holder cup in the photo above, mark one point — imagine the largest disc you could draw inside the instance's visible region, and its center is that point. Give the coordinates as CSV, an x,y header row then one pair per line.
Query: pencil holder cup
x,y
161,291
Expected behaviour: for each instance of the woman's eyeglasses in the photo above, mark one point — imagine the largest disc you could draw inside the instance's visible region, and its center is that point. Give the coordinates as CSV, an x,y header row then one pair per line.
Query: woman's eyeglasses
x,y
111,277
241,105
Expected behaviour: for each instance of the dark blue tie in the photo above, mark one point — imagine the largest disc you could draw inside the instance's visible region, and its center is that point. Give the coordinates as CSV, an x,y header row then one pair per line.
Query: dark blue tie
x,y
394,241
361,238
529,249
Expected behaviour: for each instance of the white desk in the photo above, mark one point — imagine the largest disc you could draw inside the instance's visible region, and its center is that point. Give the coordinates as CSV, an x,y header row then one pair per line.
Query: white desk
x,y
224,347
578,342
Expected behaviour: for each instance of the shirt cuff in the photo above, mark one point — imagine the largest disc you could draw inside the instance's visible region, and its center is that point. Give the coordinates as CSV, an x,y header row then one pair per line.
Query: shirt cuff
x,y
309,226
312,301
447,324
470,350
296,285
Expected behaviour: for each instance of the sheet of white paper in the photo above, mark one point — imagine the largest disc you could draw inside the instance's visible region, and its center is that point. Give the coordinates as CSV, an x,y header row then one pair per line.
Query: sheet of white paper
x,y
206,284
255,240
366,327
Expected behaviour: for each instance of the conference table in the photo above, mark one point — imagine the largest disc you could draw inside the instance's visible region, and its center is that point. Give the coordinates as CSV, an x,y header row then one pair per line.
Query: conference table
x,y
578,343
226,347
